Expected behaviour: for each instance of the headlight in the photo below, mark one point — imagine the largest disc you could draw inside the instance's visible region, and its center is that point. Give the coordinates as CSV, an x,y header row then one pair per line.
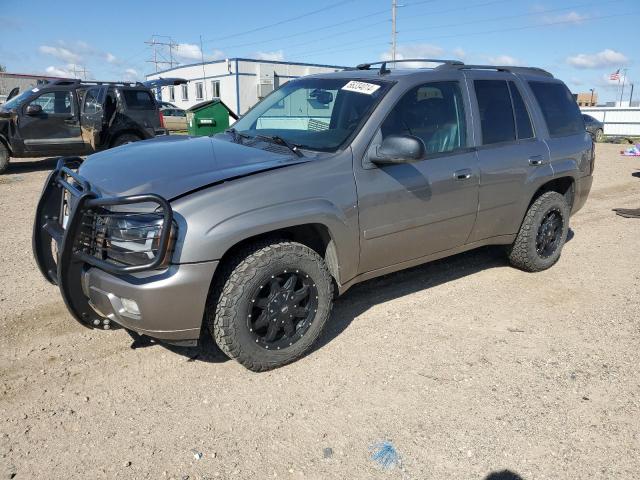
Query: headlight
x,y
132,238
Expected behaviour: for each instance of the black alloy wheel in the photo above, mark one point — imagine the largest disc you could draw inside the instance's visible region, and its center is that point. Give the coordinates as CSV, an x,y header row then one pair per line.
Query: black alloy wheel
x,y
549,233
283,307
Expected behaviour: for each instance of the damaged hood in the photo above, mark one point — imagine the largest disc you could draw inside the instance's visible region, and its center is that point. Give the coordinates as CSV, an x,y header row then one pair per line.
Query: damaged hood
x,y
171,166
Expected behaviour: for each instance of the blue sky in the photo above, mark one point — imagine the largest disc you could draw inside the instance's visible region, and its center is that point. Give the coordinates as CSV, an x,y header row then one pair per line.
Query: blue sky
x,y
580,41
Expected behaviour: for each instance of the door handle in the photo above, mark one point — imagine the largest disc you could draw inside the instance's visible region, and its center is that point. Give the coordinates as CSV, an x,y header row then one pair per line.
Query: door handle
x,y
463,174
536,160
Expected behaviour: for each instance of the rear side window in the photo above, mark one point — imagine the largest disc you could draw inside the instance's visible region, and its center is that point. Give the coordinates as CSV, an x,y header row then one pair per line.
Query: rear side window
x,y
496,113
523,121
560,110
138,100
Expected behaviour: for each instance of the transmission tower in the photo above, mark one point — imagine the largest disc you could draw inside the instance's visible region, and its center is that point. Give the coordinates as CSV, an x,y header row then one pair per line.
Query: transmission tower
x,y
162,47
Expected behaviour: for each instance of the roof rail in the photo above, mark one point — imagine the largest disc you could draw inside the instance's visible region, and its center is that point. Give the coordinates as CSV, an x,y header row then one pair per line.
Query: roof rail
x,y
499,68
367,66
77,81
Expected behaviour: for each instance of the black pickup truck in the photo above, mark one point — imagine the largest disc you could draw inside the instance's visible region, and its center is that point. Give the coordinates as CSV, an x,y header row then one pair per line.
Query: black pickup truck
x,y
74,117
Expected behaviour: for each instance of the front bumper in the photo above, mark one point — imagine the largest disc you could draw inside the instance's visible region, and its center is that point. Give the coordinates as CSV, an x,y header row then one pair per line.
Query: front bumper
x,y
170,300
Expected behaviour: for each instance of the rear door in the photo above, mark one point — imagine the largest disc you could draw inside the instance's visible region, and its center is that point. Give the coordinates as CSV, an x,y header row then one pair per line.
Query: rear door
x,y
56,129
92,117
511,153
140,110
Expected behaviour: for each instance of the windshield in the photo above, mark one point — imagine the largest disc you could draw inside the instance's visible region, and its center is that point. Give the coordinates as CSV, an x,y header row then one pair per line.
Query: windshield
x,y
314,113
15,101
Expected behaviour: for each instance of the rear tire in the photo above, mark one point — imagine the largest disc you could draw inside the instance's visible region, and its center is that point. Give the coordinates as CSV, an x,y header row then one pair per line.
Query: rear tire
x,y
124,139
542,234
4,158
270,304
599,137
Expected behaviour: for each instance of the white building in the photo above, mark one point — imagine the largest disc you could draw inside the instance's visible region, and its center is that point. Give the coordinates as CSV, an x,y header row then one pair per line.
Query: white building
x,y
618,121
238,82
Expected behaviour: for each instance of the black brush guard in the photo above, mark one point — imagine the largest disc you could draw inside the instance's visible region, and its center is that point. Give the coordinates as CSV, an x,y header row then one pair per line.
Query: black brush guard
x,y
66,266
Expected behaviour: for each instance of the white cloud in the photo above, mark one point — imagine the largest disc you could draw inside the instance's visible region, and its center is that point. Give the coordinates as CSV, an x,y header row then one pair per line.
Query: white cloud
x,y
605,58
57,72
571,17
505,60
130,75
459,53
111,58
276,56
191,52
61,53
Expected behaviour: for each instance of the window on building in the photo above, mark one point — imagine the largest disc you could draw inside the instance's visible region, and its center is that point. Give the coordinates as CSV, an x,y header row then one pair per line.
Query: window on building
x,y
523,121
172,93
199,91
185,92
560,111
432,112
54,102
496,112
215,88
139,99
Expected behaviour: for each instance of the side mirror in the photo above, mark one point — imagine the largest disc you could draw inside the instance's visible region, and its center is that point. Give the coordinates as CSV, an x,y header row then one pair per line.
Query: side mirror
x,y
398,149
34,109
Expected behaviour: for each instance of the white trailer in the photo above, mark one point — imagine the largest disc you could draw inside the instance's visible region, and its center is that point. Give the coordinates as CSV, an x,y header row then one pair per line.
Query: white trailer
x,y
618,121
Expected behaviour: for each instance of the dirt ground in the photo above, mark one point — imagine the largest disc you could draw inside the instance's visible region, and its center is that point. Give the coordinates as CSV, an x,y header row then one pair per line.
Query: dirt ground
x,y
466,365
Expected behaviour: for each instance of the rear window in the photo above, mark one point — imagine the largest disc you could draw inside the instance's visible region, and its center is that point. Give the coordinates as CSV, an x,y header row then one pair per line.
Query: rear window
x,y
496,113
560,110
138,100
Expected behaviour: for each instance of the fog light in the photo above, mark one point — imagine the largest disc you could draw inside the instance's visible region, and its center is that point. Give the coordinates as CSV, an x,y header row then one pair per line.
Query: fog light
x,y
130,306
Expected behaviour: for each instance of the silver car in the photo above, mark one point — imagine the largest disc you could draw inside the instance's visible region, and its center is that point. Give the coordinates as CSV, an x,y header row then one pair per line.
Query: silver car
x,y
331,180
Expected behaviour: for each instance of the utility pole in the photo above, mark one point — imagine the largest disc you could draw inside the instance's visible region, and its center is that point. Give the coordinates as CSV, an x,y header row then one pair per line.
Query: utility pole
x,y
631,95
591,101
394,33
203,73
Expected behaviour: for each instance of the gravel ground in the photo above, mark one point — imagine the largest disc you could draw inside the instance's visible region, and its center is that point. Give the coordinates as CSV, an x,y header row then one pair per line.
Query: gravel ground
x,y
466,365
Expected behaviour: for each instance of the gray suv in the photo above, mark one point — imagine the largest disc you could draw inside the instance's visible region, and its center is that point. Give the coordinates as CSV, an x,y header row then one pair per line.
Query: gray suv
x,y
331,180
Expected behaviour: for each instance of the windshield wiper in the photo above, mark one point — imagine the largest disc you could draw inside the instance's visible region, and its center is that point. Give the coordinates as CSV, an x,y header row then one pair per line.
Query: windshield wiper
x,y
281,141
236,134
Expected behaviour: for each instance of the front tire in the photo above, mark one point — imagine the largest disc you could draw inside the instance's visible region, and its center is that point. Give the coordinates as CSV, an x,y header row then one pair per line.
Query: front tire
x,y
542,234
4,158
270,304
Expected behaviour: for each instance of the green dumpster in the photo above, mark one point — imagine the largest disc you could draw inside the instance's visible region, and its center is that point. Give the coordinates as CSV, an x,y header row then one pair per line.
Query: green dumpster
x,y
209,117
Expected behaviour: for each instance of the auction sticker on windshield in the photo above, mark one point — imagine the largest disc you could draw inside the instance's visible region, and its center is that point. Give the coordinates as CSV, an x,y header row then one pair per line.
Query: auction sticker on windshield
x,y
361,87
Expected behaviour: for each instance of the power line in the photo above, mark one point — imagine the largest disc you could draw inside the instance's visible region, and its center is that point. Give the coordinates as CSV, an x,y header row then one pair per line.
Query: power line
x,y
307,32
162,51
366,41
275,24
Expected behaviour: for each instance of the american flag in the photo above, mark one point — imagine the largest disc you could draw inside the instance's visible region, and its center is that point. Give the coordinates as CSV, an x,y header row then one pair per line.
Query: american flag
x,y
615,75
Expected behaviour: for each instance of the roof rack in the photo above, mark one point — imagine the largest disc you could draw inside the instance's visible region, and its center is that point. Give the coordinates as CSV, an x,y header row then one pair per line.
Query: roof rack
x,y
77,81
384,69
499,68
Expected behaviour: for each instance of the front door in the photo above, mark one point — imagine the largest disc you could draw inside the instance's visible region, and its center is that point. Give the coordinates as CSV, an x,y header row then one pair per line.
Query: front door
x,y
55,130
411,210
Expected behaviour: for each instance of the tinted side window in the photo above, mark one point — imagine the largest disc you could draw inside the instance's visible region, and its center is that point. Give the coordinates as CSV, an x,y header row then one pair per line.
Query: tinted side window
x,y
560,110
434,113
523,121
496,114
54,102
138,99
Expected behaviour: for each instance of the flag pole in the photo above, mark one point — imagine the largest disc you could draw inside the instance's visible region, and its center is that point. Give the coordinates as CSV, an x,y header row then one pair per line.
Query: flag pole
x,y
624,78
